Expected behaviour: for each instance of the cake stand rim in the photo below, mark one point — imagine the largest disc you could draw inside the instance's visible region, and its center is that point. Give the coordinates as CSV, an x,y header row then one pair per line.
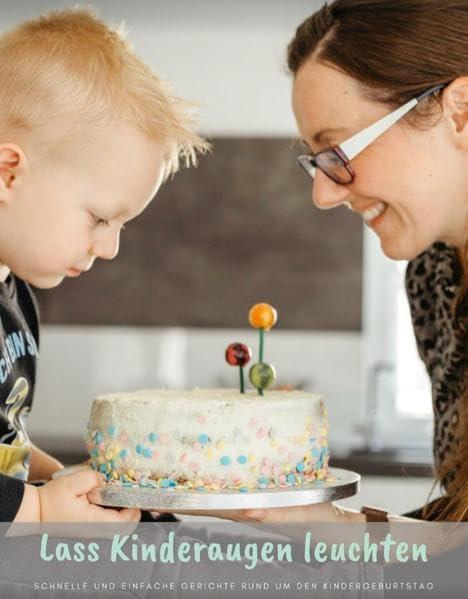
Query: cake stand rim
x,y
204,501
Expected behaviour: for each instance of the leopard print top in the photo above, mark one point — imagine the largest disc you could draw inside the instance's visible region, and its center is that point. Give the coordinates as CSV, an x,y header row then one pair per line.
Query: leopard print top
x,y
433,284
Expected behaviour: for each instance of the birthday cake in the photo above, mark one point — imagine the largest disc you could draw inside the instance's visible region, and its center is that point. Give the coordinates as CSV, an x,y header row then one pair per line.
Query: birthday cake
x,y
213,439
209,439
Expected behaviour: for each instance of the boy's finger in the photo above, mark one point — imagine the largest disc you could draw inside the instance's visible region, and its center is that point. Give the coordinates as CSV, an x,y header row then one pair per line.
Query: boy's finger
x,y
84,481
127,515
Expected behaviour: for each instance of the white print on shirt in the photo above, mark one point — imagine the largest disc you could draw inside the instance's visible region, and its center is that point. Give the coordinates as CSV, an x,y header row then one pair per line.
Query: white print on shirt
x,y
17,346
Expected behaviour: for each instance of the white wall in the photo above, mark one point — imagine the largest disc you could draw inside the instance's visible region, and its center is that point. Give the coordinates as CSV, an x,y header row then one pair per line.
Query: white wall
x,y
78,363
230,57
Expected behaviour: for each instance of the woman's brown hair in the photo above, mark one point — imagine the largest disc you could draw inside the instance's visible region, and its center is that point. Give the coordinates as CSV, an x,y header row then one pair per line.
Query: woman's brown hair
x,y
397,50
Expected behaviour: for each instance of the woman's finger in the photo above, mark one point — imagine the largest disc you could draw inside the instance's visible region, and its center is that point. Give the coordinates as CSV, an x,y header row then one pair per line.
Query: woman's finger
x,y
258,515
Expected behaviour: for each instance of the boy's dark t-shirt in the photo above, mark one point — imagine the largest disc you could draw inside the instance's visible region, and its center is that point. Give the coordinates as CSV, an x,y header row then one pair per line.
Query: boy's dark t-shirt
x,y
19,340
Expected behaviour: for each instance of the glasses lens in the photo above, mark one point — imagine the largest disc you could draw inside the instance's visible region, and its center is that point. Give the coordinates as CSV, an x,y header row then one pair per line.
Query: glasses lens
x,y
308,164
333,166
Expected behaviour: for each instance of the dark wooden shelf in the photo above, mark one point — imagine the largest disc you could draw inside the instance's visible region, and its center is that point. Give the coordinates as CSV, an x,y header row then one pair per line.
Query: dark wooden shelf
x,y
410,463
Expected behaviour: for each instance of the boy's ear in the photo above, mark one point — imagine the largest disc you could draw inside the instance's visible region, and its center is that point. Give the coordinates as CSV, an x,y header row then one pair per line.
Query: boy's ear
x,y
456,100
12,162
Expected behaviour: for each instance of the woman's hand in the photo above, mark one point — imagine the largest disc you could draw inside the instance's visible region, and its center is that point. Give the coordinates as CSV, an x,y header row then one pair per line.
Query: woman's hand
x,y
315,513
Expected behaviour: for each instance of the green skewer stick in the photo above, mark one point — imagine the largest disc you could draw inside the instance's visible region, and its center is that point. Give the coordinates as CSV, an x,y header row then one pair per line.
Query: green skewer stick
x,y
260,354
241,379
262,342
262,317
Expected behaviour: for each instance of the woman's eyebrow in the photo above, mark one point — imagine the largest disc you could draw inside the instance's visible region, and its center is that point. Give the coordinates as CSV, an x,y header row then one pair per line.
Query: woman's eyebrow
x,y
318,137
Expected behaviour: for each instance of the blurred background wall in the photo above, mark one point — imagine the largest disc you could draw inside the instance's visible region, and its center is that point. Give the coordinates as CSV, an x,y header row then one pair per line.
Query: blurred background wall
x,y
238,229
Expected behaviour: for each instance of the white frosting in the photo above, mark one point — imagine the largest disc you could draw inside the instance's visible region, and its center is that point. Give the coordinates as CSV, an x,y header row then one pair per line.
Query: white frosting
x,y
216,435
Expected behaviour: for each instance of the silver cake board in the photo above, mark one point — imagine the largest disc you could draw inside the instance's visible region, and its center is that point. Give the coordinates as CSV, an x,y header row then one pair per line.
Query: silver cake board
x,y
346,484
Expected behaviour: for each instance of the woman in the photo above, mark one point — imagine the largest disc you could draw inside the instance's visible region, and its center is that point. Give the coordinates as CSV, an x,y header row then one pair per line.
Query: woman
x,y
380,96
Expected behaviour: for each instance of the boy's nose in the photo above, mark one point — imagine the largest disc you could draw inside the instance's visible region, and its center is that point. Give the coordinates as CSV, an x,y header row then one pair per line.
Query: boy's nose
x,y
107,247
326,193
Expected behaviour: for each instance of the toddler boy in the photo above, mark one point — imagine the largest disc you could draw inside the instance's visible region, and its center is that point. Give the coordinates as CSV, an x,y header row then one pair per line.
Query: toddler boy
x,y
87,135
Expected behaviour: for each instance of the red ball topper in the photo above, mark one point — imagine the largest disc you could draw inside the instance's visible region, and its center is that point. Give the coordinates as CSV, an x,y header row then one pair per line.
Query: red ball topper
x,y
238,354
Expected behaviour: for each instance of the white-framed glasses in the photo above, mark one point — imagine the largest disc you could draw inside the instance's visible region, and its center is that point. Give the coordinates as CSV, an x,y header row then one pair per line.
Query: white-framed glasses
x,y
334,162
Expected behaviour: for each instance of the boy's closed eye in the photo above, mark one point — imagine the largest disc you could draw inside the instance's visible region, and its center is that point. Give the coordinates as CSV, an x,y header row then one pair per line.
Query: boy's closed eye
x,y
97,220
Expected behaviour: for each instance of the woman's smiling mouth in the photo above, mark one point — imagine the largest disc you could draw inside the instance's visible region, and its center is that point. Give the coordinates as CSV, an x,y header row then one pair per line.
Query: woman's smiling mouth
x,y
371,214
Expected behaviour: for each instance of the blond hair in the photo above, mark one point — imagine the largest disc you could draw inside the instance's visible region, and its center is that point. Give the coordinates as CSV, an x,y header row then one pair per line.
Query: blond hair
x,y
68,75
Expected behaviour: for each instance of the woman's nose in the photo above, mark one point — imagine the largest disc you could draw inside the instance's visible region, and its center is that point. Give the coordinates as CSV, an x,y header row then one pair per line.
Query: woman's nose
x,y
326,193
107,246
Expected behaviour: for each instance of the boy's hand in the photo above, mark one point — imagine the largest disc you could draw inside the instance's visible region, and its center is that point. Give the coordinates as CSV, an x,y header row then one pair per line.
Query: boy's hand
x,y
42,465
65,500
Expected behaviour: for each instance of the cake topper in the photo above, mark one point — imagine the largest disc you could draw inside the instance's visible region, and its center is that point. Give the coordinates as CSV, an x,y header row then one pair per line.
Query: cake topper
x,y
239,354
262,375
262,317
